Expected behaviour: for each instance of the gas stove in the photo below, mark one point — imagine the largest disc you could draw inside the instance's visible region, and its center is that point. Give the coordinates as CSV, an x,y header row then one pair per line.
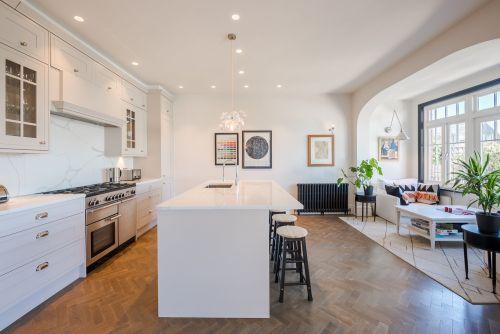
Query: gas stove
x,y
101,193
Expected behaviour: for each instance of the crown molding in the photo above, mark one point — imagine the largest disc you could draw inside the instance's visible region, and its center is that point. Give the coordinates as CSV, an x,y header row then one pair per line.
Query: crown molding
x,y
31,11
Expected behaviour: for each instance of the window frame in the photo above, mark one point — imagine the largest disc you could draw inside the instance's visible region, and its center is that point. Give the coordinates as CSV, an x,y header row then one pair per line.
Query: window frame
x,y
472,119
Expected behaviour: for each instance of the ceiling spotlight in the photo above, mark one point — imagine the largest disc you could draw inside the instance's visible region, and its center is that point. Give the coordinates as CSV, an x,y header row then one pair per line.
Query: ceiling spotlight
x,y
279,86
213,86
246,86
180,87
135,63
235,17
238,51
241,72
78,18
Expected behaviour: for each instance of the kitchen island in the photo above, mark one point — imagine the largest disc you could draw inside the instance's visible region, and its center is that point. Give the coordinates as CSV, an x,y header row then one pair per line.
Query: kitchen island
x,y
213,249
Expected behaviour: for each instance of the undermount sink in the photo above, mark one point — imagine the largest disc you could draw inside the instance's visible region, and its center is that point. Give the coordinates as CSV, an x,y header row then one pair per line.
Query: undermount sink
x,y
219,185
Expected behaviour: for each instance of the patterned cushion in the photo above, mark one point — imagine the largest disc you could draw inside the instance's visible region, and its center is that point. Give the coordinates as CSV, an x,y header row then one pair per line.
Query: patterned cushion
x,y
395,191
409,196
427,193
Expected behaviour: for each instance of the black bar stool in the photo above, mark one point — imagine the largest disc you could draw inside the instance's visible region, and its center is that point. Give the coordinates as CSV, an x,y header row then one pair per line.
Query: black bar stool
x,y
271,230
280,219
292,241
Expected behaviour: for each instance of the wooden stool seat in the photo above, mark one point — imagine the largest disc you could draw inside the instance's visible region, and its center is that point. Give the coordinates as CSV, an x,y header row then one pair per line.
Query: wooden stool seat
x,y
292,232
284,218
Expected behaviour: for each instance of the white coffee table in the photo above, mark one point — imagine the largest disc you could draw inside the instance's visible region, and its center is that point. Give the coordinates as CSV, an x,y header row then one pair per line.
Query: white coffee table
x,y
434,217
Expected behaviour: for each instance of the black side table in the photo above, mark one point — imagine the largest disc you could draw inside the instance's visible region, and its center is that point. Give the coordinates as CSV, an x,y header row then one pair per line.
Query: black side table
x,y
365,200
487,242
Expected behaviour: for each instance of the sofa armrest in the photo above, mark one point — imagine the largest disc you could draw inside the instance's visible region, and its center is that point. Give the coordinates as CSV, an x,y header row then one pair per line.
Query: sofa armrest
x,y
386,207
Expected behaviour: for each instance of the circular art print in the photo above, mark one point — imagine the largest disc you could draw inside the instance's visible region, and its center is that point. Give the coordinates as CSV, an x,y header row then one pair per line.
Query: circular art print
x,y
256,147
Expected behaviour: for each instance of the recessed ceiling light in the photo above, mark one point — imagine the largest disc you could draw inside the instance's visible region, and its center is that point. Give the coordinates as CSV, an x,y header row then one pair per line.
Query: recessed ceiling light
x,y
135,63
213,86
246,86
279,86
235,17
239,51
180,87
241,72
78,18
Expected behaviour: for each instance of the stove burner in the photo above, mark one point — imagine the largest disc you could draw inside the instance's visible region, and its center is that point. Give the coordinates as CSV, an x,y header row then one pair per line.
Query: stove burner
x,y
94,189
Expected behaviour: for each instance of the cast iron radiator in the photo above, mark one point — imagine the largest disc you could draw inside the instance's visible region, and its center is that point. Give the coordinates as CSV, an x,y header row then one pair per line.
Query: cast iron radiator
x,y
323,197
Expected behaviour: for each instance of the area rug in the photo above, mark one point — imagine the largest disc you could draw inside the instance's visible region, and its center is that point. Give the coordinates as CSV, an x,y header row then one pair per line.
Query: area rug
x,y
445,264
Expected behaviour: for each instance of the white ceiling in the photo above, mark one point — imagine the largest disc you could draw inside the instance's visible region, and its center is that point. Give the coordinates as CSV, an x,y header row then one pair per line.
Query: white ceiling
x,y
308,46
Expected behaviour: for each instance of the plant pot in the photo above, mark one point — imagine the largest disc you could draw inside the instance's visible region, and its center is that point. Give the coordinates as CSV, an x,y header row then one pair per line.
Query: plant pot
x,y
368,190
488,223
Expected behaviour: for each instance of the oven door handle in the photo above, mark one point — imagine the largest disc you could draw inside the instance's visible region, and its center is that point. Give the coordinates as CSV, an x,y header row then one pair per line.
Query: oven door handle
x,y
101,207
128,199
115,217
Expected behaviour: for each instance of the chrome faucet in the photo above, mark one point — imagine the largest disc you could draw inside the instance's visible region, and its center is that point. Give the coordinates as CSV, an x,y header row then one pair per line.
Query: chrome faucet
x,y
224,172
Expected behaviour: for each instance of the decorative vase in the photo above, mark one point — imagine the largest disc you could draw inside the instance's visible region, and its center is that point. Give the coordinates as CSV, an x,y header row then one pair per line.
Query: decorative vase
x,y
368,190
488,223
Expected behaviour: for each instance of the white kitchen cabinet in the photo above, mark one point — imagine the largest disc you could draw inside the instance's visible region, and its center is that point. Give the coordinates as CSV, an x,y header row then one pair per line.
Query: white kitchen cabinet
x,y
133,95
149,195
22,34
85,85
132,139
23,102
42,247
66,58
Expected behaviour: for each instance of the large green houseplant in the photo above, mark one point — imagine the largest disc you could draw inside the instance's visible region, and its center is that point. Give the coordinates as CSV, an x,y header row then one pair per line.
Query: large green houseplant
x,y
361,175
474,177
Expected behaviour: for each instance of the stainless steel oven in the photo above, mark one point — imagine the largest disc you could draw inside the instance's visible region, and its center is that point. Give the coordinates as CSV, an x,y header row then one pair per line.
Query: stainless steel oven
x,y
101,231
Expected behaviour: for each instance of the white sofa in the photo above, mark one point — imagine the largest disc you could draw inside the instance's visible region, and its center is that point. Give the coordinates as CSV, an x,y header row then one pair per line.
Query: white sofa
x,y
386,203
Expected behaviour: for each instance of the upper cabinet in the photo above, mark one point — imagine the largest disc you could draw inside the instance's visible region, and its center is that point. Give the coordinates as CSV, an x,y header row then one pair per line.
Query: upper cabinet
x,y
23,106
92,89
133,95
66,58
22,34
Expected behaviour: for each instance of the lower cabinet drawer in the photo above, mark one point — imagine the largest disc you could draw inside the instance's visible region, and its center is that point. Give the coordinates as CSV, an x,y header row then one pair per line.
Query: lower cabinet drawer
x,y
20,248
26,280
25,220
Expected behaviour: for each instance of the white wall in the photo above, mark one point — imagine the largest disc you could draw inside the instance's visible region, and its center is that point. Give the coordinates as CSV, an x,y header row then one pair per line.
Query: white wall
x,y
378,120
291,118
76,158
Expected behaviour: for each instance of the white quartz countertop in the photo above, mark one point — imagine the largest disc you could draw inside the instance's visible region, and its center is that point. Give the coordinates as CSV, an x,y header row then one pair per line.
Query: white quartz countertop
x,y
246,194
21,203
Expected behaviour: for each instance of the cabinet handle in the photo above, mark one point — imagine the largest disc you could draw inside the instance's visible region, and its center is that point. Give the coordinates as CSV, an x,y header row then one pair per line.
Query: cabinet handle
x,y
42,266
144,106
42,142
76,70
131,99
23,43
42,234
42,215
150,211
109,88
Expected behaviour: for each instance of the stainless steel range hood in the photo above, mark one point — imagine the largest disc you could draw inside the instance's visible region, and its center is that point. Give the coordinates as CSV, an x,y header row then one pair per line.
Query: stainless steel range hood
x,y
73,111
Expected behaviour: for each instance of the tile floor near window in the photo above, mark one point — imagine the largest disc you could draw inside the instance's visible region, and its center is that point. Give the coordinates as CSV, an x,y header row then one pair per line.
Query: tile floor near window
x,y
358,287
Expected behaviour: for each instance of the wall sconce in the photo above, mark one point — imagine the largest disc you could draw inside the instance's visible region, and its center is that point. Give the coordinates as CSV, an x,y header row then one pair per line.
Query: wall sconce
x,y
402,133
331,129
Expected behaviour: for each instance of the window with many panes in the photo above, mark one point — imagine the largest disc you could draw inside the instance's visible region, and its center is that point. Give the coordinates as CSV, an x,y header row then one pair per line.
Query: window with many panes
x,y
455,128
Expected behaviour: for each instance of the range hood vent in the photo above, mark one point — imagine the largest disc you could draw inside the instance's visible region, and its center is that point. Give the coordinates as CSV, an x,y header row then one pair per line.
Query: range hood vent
x,y
73,111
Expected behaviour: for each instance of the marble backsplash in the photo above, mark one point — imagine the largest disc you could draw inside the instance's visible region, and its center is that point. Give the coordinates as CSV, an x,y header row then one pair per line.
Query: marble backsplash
x,y
76,157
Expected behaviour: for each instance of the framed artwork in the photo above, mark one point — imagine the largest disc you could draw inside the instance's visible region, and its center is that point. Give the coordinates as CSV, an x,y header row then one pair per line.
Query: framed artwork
x,y
226,149
257,149
388,148
320,150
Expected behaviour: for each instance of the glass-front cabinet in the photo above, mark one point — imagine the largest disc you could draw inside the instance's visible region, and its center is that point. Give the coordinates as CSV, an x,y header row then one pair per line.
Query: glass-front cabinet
x,y
134,134
23,100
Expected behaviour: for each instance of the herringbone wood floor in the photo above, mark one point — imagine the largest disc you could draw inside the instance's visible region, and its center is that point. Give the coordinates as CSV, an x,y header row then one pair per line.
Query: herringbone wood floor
x,y
358,287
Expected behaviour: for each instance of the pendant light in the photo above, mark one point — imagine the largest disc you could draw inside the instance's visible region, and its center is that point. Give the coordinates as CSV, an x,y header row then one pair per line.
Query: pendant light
x,y
233,120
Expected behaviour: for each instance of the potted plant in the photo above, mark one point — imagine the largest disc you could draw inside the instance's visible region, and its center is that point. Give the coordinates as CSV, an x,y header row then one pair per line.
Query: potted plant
x,y
361,175
474,178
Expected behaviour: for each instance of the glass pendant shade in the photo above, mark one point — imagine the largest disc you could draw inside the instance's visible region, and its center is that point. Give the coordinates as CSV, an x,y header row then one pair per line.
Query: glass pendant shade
x,y
232,120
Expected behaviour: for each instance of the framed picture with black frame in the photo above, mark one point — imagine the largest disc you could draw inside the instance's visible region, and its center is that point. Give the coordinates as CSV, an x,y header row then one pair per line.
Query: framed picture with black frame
x,y
257,149
226,150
